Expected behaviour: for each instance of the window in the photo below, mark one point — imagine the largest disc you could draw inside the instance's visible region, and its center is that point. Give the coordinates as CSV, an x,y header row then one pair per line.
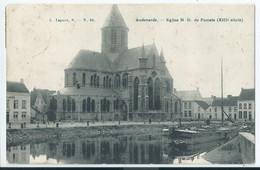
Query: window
x,y
216,115
235,109
249,106
216,109
229,109
93,105
16,104
240,114
113,37
150,92
245,114
240,105
108,106
91,81
15,116
189,113
64,103
97,81
199,108
157,94
73,105
69,103
209,110
125,80
185,105
185,113
136,84
84,105
88,104
189,105
83,79
24,104
23,115
245,105
23,147
7,104
74,79
123,38
116,81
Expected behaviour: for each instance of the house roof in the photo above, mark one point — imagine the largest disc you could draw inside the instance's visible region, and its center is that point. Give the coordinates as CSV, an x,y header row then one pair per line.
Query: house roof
x,y
247,94
16,87
86,91
86,59
189,95
114,18
43,92
202,104
231,101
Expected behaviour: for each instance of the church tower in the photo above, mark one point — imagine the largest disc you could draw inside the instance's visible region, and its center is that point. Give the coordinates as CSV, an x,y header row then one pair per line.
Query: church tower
x,y
114,34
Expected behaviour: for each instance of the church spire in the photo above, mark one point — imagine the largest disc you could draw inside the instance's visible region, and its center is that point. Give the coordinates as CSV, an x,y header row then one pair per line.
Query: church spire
x,y
143,58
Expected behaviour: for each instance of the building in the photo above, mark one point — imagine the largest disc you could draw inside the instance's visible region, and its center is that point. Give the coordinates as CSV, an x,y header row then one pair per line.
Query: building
x,y
17,103
189,104
214,112
246,105
117,83
200,109
18,154
40,104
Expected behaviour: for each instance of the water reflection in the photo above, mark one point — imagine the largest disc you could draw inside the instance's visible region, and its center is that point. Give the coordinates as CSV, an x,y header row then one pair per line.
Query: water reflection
x,y
145,149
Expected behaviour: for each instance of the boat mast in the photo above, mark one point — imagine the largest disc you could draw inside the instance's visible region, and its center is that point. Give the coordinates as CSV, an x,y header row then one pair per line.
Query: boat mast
x,y
222,111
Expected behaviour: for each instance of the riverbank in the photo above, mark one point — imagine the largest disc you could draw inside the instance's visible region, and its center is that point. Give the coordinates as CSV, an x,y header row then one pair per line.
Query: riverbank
x,y
37,135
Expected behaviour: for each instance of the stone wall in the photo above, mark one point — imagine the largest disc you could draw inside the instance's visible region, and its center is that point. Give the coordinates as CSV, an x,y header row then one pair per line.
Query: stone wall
x,y
247,147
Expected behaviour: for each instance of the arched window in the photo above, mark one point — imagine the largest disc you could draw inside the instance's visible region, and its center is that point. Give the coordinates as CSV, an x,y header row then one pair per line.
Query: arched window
x,y
74,79
88,104
101,103
125,80
104,81
104,105
67,79
73,105
83,79
136,84
97,81
108,106
84,105
117,81
157,96
168,87
69,103
91,81
110,83
166,106
93,105
64,105
117,104
150,92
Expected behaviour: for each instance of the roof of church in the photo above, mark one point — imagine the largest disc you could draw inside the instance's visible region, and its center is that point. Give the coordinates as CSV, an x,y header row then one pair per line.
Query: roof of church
x,y
16,87
86,59
247,94
88,91
189,95
114,18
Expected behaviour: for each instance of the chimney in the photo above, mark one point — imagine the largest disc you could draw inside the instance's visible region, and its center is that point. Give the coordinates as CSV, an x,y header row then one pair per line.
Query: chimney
x,y
21,80
229,96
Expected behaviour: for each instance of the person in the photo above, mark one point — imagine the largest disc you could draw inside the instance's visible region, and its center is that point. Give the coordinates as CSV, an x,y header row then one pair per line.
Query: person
x,y
150,120
208,121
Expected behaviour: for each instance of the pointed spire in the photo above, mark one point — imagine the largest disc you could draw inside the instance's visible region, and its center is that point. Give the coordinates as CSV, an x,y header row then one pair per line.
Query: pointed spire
x,y
114,18
162,56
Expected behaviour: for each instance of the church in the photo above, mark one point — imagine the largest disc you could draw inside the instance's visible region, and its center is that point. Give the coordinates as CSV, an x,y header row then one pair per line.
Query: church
x,y
117,83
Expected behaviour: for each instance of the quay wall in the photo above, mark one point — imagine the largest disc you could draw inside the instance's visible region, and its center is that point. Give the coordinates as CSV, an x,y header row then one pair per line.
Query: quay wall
x,y
37,135
247,147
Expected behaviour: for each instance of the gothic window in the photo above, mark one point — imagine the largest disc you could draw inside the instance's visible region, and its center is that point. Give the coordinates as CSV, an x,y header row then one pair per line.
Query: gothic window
x,y
104,105
157,95
88,104
93,105
67,79
104,82
108,106
64,105
73,105
69,103
91,81
84,105
168,87
74,79
110,83
123,38
83,79
117,81
150,92
97,81
166,106
176,107
136,84
113,37
125,80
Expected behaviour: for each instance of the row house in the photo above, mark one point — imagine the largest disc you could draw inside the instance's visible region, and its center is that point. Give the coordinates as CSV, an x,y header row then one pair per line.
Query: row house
x,y
246,105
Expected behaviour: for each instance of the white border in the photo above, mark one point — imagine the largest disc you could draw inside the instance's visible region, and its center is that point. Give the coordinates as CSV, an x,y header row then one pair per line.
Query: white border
x,y
3,3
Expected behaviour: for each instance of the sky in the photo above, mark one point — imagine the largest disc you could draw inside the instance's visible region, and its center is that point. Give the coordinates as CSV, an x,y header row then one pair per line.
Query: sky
x,y
39,50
